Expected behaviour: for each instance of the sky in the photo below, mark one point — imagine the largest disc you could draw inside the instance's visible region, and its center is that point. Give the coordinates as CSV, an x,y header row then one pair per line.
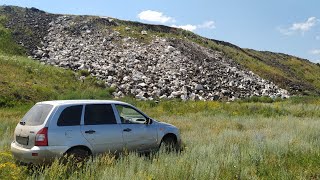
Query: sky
x,y
286,26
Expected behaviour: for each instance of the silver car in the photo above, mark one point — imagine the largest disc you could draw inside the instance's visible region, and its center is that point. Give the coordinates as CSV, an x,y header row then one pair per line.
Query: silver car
x,y
53,129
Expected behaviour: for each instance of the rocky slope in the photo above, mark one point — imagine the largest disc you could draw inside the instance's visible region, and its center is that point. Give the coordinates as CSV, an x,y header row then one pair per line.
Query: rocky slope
x,y
136,61
165,68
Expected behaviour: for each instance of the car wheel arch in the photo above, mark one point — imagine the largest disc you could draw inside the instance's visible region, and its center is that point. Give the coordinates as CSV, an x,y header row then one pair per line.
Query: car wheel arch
x,y
79,147
169,135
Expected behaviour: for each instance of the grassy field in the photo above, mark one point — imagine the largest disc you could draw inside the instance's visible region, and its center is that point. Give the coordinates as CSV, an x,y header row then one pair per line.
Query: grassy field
x,y
239,140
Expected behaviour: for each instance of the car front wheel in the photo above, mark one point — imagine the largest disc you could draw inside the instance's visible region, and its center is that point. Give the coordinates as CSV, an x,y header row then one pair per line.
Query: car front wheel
x,y
169,144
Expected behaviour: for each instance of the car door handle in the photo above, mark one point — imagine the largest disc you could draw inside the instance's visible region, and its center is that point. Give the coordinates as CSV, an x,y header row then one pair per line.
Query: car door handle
x,y
127,130
90,132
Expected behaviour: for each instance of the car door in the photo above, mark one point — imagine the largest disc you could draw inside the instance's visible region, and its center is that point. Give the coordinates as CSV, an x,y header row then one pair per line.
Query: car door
x,y
136,134
65,126
101,129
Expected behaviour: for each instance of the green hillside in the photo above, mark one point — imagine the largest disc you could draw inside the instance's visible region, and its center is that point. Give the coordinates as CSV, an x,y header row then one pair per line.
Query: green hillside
x,y
24,81
299,76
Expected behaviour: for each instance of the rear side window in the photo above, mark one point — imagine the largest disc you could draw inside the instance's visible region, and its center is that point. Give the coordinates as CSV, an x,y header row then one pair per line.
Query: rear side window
x,y
37,114
99,114
70,116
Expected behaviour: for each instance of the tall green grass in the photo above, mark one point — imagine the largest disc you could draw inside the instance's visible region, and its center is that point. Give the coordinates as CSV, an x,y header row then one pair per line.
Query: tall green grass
x,y
308,107
257,143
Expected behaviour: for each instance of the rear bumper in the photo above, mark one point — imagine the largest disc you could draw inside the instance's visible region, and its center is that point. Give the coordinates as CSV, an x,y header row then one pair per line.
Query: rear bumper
x,y
37,154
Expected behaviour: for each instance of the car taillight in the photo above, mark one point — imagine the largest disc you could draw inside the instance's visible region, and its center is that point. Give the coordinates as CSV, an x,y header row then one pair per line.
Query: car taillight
x,y
42,137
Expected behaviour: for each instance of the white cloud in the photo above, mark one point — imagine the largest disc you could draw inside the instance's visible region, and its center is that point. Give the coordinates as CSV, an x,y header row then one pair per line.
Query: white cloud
x,y
285,31
190,27
187,27
207,25
304,26
301,27
315,51
159,17
154,16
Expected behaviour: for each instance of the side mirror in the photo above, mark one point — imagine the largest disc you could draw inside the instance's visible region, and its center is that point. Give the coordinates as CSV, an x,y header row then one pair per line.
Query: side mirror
x,y
148,121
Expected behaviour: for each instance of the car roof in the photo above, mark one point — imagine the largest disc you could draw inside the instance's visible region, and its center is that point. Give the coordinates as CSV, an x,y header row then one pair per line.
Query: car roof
x,y
82,101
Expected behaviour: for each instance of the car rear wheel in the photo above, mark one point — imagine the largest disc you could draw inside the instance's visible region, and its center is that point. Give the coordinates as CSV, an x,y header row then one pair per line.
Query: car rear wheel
x,y
76,155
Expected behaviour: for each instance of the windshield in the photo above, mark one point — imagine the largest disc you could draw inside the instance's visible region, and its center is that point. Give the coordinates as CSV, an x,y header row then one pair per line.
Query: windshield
x,y
37,114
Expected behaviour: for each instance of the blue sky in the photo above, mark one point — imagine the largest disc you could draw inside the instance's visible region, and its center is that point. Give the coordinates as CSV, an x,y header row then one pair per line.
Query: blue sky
x,y
287,26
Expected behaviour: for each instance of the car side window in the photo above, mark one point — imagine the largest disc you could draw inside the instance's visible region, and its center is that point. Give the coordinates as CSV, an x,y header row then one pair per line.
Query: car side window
x,y
70,116
96,114
129,115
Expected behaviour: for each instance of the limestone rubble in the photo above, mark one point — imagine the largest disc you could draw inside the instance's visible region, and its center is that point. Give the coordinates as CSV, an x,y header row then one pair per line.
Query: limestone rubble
x,y
163,68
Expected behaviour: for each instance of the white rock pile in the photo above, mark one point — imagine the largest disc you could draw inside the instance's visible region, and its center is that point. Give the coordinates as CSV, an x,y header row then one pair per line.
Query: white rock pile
x,y
163,68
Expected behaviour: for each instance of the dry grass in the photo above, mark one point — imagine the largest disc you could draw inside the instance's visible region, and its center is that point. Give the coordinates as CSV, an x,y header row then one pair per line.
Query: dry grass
x,y
219,145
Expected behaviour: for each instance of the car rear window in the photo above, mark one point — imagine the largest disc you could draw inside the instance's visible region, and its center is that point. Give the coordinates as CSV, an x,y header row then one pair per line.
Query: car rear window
x,y
37,114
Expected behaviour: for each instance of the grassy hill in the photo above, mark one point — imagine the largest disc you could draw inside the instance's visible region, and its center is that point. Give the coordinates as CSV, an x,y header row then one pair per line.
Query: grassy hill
x,y
297,75
23,80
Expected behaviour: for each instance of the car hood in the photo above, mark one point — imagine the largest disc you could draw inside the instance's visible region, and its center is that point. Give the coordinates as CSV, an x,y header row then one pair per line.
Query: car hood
x,y
165,124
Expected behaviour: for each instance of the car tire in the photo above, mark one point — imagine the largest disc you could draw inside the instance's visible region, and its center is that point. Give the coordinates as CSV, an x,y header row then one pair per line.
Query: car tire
x,y
169,144
77,155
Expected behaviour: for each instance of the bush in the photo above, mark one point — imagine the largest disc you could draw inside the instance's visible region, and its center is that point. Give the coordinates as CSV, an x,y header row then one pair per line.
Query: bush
x,y
84,72
263,99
